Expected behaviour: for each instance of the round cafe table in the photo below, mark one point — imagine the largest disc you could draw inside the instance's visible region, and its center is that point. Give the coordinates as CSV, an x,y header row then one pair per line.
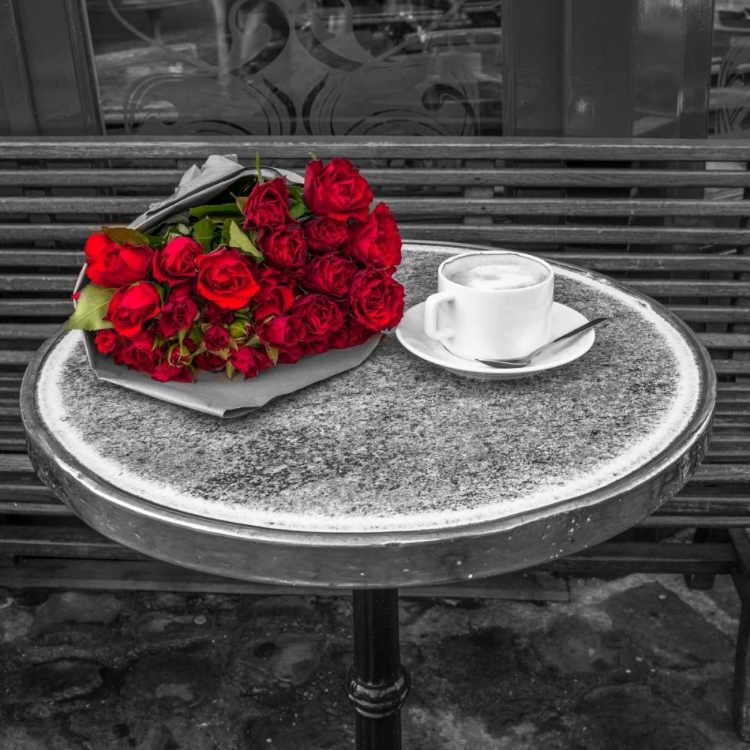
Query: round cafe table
x,y
394,474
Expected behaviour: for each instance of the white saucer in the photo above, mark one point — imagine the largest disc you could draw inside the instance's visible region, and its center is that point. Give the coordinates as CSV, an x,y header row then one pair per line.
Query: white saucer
x,y
410,332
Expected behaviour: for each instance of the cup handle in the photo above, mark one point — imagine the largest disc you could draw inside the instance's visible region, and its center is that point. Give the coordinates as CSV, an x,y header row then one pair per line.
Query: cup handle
x,y
430,316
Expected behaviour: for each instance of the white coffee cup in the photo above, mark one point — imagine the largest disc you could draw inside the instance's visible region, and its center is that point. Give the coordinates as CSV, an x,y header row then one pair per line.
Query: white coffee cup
x,y
491,304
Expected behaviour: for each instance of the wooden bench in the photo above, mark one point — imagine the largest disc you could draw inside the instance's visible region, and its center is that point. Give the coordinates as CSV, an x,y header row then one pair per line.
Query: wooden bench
x,y
668,217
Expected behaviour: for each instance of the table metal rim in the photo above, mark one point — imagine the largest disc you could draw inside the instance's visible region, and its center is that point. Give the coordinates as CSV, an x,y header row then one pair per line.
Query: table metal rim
x,y
649,472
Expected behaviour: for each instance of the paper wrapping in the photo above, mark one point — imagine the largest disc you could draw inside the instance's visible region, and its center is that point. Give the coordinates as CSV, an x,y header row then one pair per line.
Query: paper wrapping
x,y
214,393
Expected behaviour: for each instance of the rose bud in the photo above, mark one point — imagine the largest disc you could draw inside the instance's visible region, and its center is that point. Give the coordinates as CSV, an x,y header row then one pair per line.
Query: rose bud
x,y
179,355
113,265
131,306
177,261
282,332
238,329
215,315
107,340
336,190
209,361
227,278
165,372
268,205
376,241
140,353
216,338
176,315
250,361
376,299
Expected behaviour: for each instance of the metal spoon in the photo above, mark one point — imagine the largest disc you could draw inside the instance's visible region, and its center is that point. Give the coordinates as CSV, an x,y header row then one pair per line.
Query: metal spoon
x,y
524,361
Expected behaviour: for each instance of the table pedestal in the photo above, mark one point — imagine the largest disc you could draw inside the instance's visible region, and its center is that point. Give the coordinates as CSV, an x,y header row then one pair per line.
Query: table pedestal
x,y
378,684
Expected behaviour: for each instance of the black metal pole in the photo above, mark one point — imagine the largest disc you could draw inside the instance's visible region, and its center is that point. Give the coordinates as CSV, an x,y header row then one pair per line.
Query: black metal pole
x,y
378,684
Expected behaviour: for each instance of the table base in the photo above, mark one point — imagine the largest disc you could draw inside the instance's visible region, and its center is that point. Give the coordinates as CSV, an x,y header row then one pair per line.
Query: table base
x,y
377,684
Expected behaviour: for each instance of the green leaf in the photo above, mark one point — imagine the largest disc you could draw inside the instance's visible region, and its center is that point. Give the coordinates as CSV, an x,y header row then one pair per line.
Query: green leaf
x,y
257,167
297,210
183,229
253,340
225,228
225,209
203,232
273,353
231,369
123,235
238,239
91,309
241,203
296,192
196,335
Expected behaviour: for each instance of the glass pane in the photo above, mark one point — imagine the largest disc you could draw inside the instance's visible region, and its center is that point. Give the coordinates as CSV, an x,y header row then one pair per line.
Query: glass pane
x,y
729,102
296,67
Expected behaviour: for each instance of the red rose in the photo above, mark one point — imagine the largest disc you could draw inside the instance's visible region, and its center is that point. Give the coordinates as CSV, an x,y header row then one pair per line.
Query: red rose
x,y
131,306
226,278
282,332
324,234
140,352
113,265
319,314
331,274
165,372
352,333
250,361
216,338
376,241
376,299
285,248
276,294
107,341
176,262
268,205
336,190
176,315
215,315
179,354
209,361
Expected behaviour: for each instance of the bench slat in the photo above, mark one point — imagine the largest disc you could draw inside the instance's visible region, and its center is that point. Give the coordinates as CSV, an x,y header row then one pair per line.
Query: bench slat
x,y
393,177
712,313
28,282
37,308
499,233
361,147
21,257
607,262
654,287
128,206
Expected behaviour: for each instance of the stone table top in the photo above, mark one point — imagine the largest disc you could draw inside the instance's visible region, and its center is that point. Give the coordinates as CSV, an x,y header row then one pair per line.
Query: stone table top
x,y
397,444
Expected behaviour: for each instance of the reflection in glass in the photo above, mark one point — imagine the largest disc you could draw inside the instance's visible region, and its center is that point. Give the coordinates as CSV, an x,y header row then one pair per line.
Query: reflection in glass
x,y
729,104
295,67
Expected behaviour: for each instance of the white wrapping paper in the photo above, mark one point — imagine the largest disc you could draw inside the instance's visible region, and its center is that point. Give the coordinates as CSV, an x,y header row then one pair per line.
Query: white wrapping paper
x,y
215,393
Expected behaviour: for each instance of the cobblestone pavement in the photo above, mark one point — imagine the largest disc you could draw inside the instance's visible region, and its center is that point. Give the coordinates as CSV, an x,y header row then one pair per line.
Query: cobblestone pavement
x,y
637,663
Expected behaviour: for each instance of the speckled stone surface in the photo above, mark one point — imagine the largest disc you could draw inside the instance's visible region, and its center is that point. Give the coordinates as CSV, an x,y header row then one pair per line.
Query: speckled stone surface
x,y
398,443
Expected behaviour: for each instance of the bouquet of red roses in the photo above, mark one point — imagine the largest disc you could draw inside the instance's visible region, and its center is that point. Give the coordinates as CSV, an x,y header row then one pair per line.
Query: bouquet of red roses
x,y
271,272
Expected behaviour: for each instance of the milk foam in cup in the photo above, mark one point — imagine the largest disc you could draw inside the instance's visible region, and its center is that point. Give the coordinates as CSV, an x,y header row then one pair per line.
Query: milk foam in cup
x,y
491,304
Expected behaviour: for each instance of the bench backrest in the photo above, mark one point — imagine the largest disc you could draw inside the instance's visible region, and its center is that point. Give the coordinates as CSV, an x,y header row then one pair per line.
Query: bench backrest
x,y
670,217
